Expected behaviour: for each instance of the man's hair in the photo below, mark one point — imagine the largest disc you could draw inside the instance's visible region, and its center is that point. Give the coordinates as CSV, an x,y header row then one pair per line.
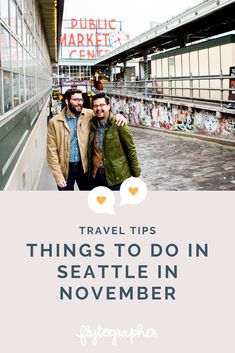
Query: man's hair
x,y
70,92
101,95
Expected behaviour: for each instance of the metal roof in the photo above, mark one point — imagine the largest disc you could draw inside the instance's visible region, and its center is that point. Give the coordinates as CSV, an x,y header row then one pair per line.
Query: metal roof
x,y
202,21
52,14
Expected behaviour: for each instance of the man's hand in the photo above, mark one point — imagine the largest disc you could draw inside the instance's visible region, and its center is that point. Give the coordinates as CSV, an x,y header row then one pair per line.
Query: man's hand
x,y
120,120
62,184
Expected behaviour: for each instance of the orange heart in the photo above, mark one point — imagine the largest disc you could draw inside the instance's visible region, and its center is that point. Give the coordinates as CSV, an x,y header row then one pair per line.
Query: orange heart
x,y
101,199
133,191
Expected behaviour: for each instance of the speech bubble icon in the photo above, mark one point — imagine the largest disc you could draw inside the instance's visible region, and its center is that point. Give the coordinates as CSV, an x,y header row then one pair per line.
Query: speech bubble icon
x,y
133,190
101,200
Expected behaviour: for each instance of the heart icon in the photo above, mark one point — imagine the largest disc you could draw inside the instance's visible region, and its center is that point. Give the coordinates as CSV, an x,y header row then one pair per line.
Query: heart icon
x,y
101,199
133,191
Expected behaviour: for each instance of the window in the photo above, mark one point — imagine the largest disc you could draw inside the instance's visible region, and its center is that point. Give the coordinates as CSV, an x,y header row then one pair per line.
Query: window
x,y
5,49
20,59
7,89
13,18
4,11
25,66
31,86
16,92
22,89
19,25
27,84
14,54
24,29
26,62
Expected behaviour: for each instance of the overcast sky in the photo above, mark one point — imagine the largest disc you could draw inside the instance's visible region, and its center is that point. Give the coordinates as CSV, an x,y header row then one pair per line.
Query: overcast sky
x,y
136,15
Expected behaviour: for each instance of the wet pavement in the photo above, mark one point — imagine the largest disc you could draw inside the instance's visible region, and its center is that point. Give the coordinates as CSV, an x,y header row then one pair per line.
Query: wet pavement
x,y
171,162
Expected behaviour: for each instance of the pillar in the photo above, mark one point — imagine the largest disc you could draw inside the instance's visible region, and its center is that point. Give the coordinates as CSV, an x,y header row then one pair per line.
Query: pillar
x,y
146,69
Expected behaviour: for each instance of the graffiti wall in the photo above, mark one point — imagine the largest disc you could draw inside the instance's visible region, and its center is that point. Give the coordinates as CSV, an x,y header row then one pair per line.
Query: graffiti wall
x,y
175,118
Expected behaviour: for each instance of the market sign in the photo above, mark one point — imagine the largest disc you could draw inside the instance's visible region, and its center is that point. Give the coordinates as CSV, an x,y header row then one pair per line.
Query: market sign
x,y
90,38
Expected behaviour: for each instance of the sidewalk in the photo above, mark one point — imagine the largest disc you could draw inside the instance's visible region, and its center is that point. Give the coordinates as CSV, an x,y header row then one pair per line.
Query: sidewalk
x,y
46,180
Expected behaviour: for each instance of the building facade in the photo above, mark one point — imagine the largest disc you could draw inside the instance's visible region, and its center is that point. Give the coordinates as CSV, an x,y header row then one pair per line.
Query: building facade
x,y
25,84
197,70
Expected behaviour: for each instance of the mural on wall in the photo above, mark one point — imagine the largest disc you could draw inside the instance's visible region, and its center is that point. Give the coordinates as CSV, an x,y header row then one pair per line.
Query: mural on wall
x,y
230,125
207,123
227,126
211,124
174,118
182,119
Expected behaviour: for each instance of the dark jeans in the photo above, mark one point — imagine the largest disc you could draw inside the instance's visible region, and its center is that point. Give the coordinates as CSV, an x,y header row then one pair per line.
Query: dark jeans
x,y
76,174
100,180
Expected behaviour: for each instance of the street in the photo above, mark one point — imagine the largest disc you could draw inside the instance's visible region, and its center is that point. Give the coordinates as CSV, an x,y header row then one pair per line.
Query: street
x,y
171,162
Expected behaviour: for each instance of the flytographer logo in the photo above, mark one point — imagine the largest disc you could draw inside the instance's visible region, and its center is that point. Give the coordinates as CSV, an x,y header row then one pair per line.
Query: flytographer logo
x,y
89,335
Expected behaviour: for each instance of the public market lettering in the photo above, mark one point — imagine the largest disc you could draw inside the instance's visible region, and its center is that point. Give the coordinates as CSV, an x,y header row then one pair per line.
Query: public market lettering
x,y
87,38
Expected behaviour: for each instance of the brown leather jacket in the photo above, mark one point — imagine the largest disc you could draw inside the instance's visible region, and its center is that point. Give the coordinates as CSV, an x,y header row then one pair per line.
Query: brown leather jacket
x,y
58,143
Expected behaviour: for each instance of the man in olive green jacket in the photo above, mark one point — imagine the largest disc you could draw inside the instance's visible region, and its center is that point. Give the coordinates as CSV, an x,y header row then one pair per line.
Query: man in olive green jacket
x,y
112,156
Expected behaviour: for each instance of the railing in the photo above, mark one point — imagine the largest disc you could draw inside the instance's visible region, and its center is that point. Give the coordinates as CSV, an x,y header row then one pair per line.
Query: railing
x,y
206,89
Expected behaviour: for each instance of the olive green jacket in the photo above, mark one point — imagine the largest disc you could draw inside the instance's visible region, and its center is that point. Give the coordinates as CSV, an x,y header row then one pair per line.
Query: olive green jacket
x,y
119,152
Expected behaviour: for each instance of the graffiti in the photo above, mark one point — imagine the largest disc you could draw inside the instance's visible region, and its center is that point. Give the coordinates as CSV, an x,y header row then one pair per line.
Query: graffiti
x,y
160,116
154,117
199,121
184,121
164,118
133,115
211,123
230,126
206,123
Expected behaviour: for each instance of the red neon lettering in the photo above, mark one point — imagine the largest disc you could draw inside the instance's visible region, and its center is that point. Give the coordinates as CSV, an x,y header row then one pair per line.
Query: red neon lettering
x,y
90,54
99,24
106,37
63,39
89,40
98,40
80,39
85,23
92,24
71,53
74,23
71,40
110,22
99,52
82,53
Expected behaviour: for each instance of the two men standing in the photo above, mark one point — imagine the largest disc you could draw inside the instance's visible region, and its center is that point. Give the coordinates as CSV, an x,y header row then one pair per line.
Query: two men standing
x,y
111,149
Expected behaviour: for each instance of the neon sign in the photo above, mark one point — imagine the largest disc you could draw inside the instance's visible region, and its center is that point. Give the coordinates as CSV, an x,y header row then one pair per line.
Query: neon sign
x,y
90,38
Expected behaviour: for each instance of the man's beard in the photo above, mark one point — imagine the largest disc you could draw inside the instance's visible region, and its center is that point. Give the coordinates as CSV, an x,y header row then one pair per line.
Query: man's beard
x,y
73,109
